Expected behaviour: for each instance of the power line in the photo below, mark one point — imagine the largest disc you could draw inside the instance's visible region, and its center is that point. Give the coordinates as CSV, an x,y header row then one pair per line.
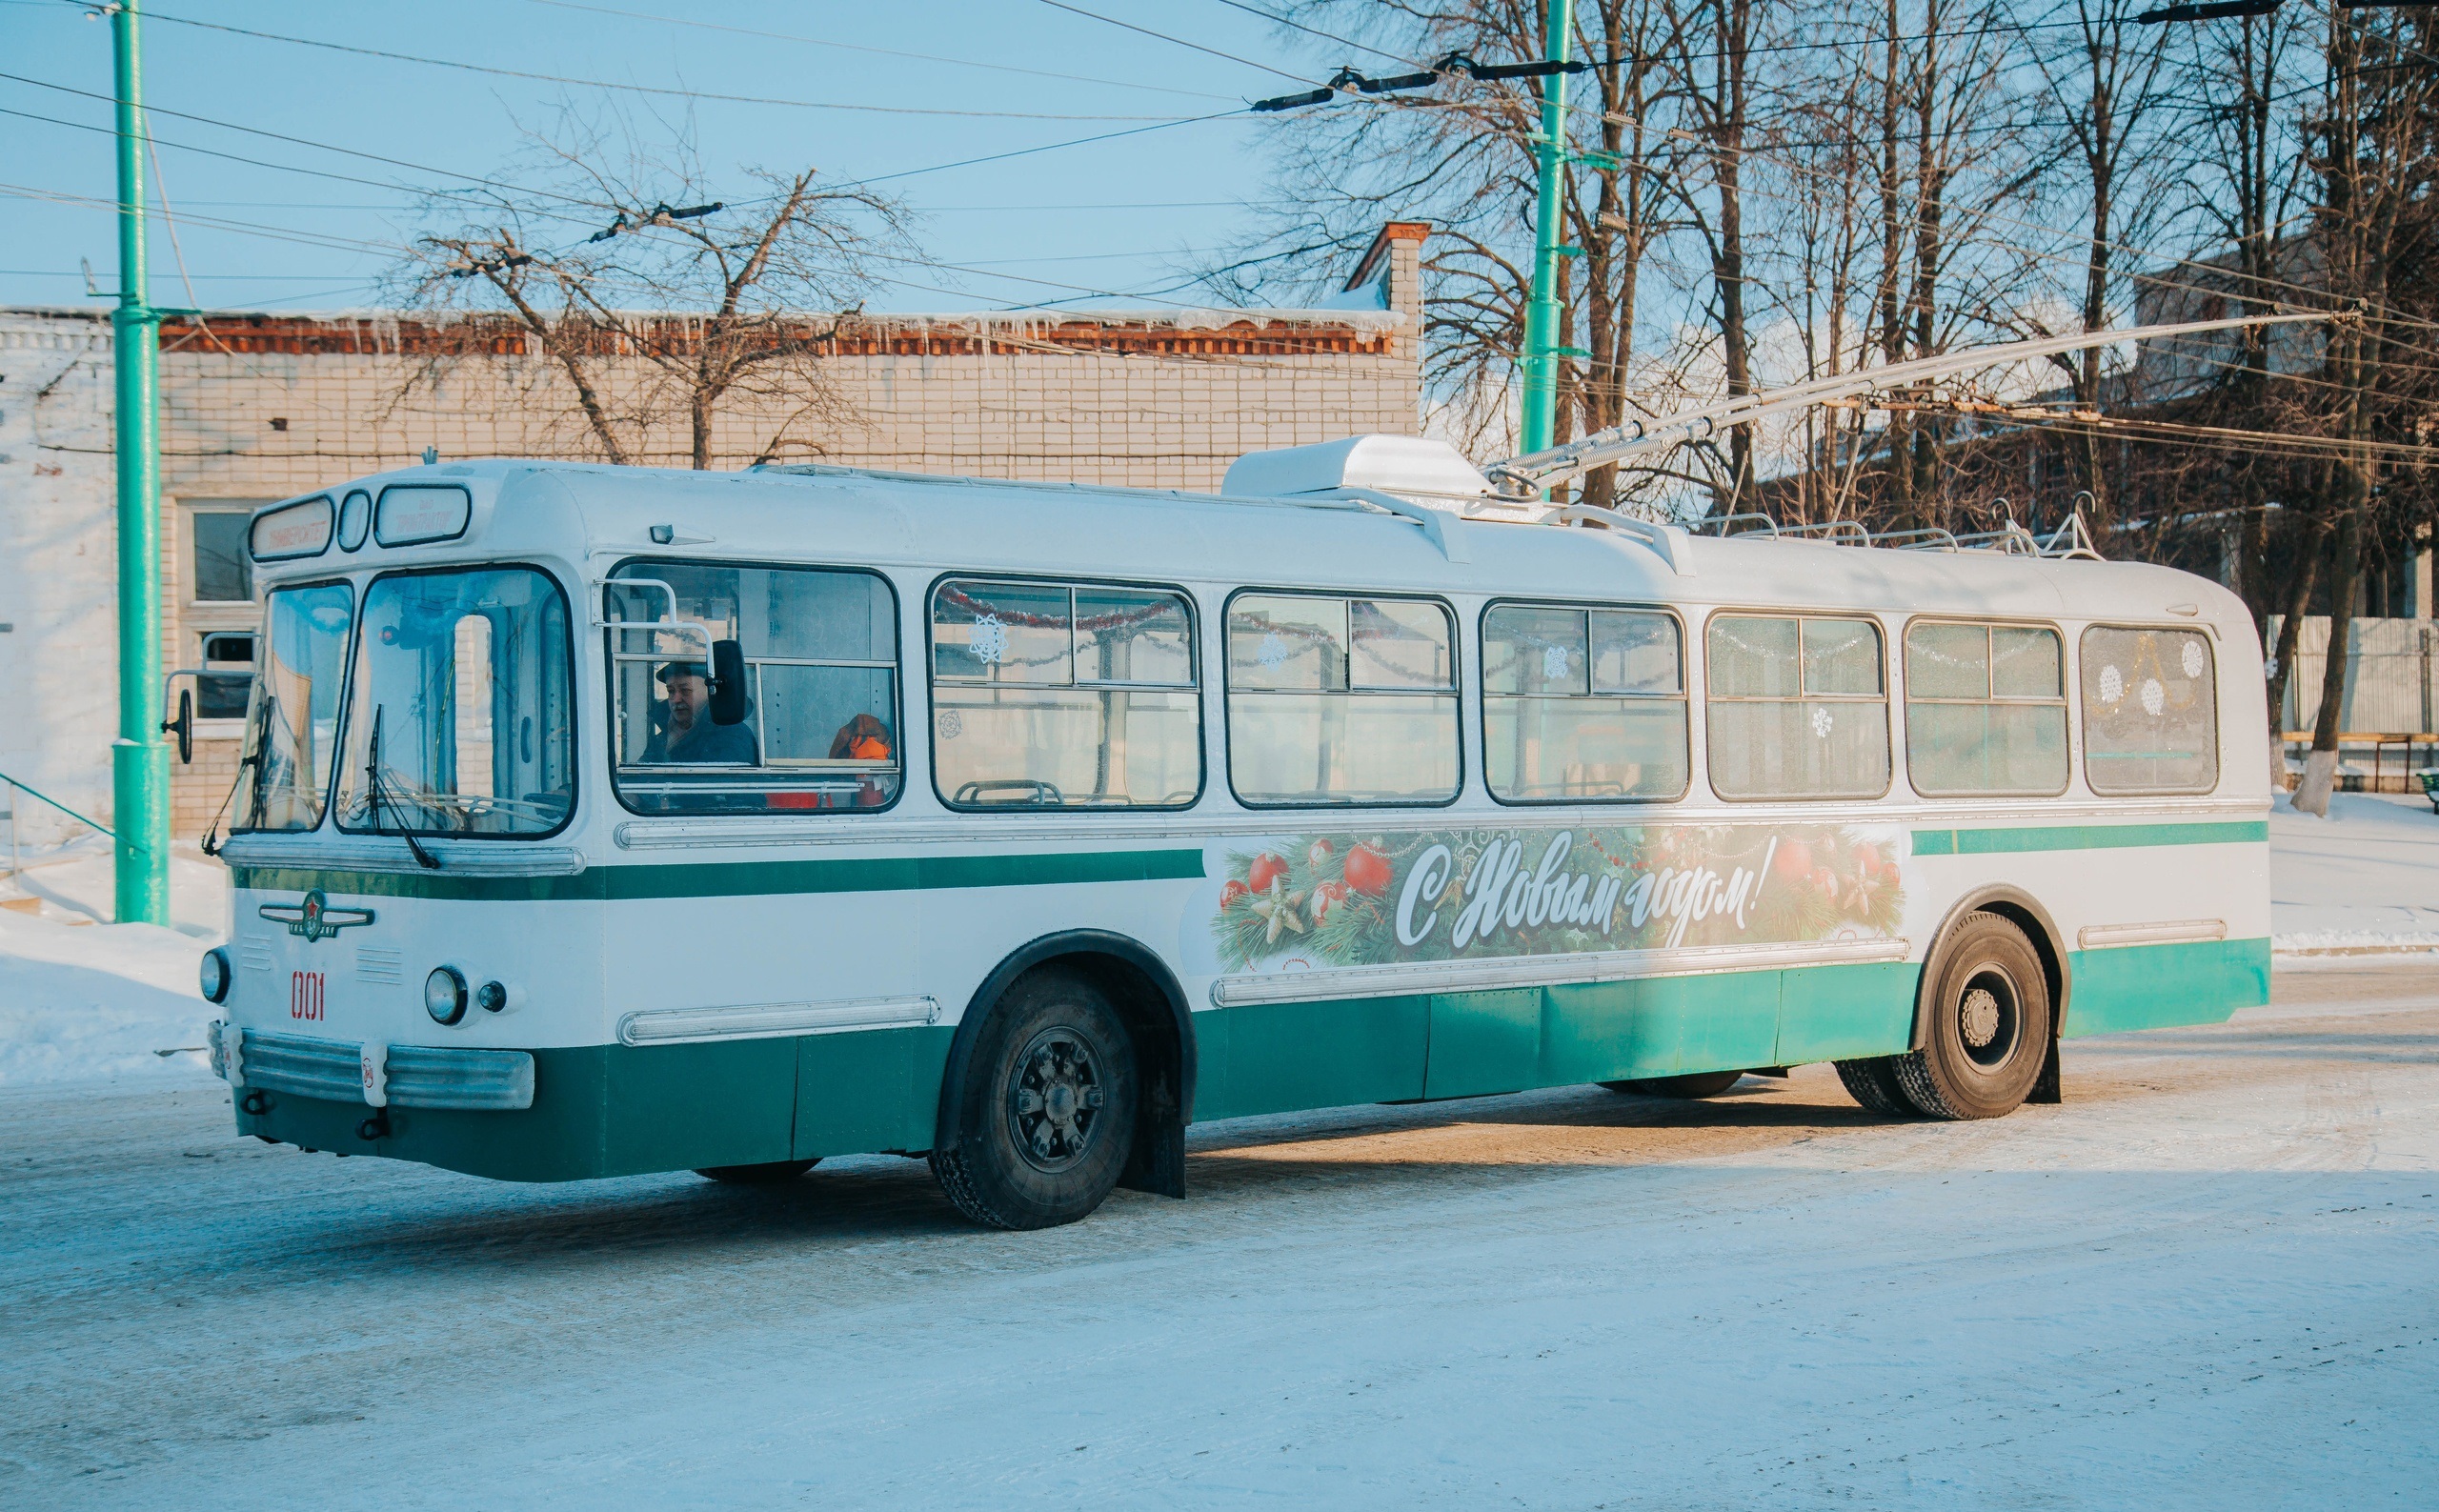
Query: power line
x,y
1329,36
886,52
634,89
281,136
1129,26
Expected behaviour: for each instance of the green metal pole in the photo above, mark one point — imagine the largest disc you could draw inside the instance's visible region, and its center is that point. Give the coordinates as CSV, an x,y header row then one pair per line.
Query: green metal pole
x,y
139,761
1542,316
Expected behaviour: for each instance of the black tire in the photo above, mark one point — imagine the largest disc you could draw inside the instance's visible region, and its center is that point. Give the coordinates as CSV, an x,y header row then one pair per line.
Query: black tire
x,y
1046,1107
1873,1084
1687,1087
774,1173
1988,1025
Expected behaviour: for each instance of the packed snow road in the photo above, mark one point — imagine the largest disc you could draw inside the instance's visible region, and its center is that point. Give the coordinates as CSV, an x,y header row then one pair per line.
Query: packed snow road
x,y
2211,1278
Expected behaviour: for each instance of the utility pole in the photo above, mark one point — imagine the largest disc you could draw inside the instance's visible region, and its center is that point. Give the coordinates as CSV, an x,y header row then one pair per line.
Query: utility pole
x,y
139,761
1542,316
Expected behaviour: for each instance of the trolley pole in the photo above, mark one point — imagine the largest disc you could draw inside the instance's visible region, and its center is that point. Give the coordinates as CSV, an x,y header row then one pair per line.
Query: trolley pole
x,y
1542,316
139,761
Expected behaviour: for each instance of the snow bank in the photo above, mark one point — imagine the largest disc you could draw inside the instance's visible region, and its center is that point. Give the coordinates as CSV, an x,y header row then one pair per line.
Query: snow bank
x,y
83,999
2365,880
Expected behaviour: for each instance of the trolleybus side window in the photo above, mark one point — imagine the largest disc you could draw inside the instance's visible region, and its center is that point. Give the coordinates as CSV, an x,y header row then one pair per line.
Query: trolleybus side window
x,y
1341,700
1985,709
2150,711
1582,704
292,728
1797,706
1063,694
820,664
460,709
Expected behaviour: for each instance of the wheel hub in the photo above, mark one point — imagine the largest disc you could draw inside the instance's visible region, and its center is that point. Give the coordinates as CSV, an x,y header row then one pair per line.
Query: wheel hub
x,y
1980,1017
1055,1100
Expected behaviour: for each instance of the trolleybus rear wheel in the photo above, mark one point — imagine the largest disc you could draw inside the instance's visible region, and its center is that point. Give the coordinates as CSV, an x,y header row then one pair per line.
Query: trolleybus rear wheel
x,y
1047,1107
1873,1084
1690,1086
769,1172
1988,1030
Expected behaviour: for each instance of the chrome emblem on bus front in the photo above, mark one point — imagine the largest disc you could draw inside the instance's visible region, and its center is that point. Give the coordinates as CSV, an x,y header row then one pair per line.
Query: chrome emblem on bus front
x,y
314,918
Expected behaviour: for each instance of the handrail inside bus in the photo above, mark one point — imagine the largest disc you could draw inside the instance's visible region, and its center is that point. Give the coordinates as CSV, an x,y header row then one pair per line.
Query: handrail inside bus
x,y
673,625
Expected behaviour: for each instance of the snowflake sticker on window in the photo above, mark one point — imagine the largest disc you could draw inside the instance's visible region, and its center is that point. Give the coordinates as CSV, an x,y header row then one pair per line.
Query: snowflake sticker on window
x,y
1553,663
2194,660
952,724
2154,696
1822,722
2112,685
990,640
1273,650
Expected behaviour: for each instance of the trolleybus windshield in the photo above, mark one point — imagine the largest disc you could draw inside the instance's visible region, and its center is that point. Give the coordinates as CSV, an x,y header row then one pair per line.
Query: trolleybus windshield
x,y
292,728
460,717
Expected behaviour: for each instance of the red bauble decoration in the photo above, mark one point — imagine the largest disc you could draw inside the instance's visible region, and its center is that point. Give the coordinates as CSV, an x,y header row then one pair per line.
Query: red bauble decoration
x,y
1268,867
1232,893
1367,871
1325,898
1319,857
1793,861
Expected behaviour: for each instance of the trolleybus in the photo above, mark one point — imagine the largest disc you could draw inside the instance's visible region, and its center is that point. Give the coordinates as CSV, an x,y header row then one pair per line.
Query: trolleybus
x,y
598,820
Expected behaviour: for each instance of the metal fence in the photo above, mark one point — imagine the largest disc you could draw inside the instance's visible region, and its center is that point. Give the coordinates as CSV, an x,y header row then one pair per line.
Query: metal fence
x,y
2389,686
2391,690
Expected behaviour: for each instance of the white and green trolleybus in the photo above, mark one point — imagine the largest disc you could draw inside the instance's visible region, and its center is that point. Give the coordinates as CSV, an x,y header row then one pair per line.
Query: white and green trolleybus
x,y
597,821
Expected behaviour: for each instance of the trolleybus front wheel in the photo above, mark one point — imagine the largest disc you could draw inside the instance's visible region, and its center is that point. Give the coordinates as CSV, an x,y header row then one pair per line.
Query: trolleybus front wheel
x,y
1690,1086
1047,1107
1989,1025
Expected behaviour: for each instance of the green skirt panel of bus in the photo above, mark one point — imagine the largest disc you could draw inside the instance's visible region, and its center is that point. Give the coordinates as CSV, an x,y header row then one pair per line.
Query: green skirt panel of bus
x,y
617,1110
623,1110
2160,986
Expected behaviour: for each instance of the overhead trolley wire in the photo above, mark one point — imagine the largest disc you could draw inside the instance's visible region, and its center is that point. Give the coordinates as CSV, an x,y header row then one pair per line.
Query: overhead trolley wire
x,y
886,52
634,88
1162,36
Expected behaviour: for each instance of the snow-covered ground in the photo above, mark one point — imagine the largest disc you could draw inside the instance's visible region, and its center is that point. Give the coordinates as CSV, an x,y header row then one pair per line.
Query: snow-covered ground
x,y
87,1001
2366,879
82,1000
2204,1282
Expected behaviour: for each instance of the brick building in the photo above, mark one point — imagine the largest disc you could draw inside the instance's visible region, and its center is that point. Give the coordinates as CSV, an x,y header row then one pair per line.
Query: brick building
x,y
259,406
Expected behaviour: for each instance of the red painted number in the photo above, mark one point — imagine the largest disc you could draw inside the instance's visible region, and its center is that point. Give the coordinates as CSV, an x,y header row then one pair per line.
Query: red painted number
x,y
305,995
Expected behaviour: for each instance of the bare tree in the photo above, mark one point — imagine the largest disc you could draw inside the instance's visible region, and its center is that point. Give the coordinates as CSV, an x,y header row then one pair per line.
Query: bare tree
x,y
2377,170
2106,86
660,305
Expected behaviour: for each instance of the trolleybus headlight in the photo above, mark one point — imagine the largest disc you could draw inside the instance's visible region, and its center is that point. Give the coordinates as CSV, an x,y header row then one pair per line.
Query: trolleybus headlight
x,y
497,997
214,974
444,994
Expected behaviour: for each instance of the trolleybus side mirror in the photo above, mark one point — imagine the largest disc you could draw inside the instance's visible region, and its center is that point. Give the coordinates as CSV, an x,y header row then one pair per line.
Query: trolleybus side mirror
x,y
728,682
183,726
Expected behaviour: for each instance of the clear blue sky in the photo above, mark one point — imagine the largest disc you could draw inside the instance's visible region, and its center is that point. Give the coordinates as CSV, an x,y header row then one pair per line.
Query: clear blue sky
x,y
1118,216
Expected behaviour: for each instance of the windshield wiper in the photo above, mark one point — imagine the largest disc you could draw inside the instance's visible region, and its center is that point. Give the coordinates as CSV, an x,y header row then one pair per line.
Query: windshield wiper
x,y
375,800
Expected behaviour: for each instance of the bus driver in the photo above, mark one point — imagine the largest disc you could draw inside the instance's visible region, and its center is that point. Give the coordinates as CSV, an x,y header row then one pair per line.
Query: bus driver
x,y
690,738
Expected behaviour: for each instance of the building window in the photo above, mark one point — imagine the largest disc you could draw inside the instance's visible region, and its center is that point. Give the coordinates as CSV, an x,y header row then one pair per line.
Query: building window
x,y
1798,706
216,561
821,660
227,682
1582,704
1064,696
2150,711
1341,701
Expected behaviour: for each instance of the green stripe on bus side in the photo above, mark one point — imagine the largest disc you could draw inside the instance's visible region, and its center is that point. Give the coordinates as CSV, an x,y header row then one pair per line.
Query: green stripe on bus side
x,y
610,1110
2159,987
2086,837
740,879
